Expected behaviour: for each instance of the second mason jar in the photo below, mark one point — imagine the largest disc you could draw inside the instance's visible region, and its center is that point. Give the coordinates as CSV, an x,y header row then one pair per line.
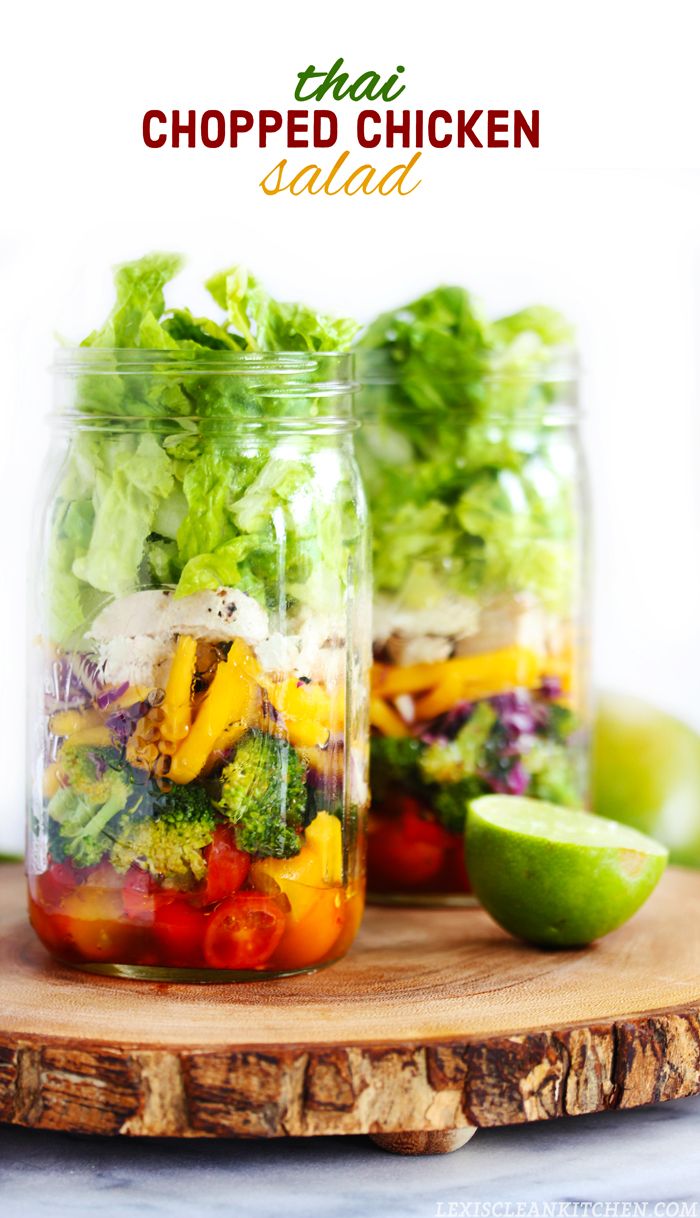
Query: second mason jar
x,y
198,706
476,490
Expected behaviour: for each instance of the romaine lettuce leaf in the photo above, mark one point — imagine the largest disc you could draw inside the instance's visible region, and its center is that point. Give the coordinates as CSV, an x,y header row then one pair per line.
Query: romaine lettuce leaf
x,y
139,287
470,491
178,497
265,324
124,510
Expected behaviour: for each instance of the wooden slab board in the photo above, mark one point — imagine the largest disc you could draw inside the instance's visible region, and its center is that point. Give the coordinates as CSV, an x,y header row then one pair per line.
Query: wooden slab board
x,y
435,1023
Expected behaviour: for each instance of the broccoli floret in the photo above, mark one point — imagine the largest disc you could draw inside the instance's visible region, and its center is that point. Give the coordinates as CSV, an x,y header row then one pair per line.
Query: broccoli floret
x,y
165,833
450,802
395,763
91,771
554,774
461,758
561,722
444,776
263,794
180,805
80,813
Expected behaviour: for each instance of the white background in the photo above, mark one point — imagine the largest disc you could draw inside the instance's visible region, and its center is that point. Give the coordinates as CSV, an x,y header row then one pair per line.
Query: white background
x,y
602,220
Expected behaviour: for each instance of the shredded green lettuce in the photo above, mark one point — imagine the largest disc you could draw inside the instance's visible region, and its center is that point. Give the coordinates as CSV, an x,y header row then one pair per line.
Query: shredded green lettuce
x,y
470,488
162,490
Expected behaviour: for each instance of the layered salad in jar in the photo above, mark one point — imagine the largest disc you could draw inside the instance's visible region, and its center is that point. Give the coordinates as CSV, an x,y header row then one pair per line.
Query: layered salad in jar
x,y
472,470
200,780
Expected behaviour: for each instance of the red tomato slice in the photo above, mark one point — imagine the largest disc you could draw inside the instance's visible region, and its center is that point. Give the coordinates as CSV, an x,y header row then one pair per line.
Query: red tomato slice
x,y
179,931
244,931
227,867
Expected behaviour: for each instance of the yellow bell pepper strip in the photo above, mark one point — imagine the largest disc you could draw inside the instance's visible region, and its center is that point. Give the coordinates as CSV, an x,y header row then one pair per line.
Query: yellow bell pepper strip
x,y
226,702
176,706
311,938
318,864
304,734
52,779
67,723
96,737
135,693
481,676
307,709
329,763
384,717
389,680
562,666
233,733
324,835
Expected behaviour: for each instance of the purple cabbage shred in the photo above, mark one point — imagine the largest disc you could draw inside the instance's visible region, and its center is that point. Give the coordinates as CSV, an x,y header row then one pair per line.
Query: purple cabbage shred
x,y
550,687
99,763
514,782
122,722
111,695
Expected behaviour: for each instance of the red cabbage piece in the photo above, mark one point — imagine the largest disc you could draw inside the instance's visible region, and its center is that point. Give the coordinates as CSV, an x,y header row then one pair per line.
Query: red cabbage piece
x,y
550,687
122,722
514,781
111,695
64,689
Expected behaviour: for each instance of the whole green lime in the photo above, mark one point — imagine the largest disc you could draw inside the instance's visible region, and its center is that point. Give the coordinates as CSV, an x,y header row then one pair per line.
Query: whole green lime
x,y
556,877
646,773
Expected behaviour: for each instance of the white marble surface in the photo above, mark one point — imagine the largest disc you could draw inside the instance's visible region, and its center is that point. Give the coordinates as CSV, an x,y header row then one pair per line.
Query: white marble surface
x,y
651,1155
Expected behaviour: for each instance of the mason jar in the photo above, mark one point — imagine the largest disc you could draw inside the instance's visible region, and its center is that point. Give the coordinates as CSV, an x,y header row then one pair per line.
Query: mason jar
x,y
478,506
199,669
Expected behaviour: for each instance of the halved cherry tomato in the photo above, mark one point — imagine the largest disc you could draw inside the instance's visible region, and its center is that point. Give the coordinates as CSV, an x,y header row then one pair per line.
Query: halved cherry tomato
x,y
244,931
179,931
227,866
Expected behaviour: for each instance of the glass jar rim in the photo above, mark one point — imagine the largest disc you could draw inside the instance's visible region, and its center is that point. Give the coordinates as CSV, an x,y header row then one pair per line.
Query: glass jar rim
x,y
322,376
139,360
560,366
558,374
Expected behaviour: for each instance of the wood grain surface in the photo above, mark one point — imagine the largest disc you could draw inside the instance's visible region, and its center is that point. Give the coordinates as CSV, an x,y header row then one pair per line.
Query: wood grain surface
x,y
436,1021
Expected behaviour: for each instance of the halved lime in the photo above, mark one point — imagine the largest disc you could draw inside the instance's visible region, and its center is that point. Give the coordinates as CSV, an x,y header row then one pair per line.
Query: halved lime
x,y
556,877
646,773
